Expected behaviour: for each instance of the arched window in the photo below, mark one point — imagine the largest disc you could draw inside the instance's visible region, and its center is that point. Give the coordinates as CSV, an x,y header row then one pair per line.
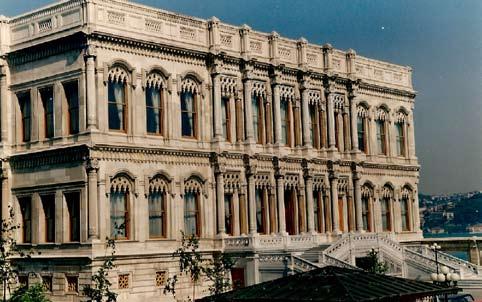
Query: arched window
x,y
318,205
362,126
400,132
261,201
257,118
154,104
340,116
366,197
285,122
120,207
381,127
117,99
157,201
189,108
386,208
192,205
405,209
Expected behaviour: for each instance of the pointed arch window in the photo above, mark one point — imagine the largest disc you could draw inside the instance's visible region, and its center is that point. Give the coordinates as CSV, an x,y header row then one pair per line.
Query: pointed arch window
x,y
400,138
285,122
362,128
386,215
381,137
192,206
189,108
318,209
157,203
154,110
117,99
406,210
120,208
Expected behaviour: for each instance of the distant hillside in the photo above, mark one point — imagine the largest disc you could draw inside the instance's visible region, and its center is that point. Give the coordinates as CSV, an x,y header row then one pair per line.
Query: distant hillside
x,y
468,211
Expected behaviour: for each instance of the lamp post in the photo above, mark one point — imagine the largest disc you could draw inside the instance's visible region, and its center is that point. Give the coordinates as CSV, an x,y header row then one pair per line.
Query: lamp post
x,y
445,278
435,247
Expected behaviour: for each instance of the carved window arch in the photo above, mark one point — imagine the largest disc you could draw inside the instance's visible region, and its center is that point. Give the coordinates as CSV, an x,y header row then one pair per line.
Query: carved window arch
x,y
406,208
193,189
155,103
293,207
121,188
362,127
157,206
117,79
287,99
367,207
386,198
264,203
381,120
189,103
228,93
341,122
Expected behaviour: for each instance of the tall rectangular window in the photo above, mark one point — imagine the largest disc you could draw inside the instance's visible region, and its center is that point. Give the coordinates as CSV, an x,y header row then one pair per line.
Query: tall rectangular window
x,y
318,206
119,214
47,97
386,215
226,118
228,213
361,134
284,123
400,139
314,127
191,214
381,137
71,90
48,204
405,214
256,119
117,106
154,110
188,115
25,111
73,207
366,214
26,211
157,214
260,212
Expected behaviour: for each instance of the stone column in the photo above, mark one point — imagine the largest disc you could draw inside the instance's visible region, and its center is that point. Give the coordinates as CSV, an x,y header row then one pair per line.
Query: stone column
x,y
341,131
331,122
217,107
4,103
358,202
239,120
59,217
248,111
236,221
92,167
91,87
5,196
220,201
305,112
309,203
252,203
416,214
277,114
353,123
280,191
334,203
411,137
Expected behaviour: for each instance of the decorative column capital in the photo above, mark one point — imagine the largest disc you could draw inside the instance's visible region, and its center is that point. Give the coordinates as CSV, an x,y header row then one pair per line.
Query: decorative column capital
x,y
218,162
353,88
92,164
90,51
250,165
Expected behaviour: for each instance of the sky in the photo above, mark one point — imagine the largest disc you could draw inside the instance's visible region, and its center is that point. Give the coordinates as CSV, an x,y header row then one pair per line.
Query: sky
x,y
440,39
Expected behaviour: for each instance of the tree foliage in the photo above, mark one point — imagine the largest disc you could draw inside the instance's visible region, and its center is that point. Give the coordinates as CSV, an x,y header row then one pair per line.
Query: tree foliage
x,y
99,290
9,250
34,293
375,265
192,264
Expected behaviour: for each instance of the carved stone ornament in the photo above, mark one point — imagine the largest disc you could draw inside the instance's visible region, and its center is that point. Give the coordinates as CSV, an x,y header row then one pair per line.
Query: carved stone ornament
x,y
92,164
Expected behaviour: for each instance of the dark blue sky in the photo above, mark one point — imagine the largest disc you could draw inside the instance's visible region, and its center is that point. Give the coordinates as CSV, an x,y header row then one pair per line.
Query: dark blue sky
x,y
440,39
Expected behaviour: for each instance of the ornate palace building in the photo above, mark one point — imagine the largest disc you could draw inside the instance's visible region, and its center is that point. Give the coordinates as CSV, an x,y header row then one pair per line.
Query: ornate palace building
x,y
115,113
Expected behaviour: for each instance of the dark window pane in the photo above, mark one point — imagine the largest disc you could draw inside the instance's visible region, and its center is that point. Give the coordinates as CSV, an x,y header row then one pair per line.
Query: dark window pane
x,y
153,110
73,207
26,211
157,215
117,106
25,108
188,114
72,95
119,215
48,203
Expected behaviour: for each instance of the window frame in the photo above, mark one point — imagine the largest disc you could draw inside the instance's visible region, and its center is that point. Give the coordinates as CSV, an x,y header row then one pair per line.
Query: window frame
x,y
381,137
126,215
26,228
400,139
160,110
25,104
226,118
197,210
73,201
48,208
125,106
48,116
194,113
163,214
72,127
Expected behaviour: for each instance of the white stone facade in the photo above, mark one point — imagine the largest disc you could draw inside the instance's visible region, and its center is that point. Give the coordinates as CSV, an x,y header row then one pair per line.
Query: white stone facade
x,y
292,143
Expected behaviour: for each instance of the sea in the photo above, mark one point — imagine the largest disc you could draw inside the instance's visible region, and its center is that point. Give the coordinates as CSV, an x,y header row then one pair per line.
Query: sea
x,y
460,254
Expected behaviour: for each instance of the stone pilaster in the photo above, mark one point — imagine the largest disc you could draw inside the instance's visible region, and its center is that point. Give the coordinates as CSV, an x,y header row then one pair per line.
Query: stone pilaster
x,y
220,201
358,202
248,110
89,56
305,112
92,167
217,107
331,116
309,202
334,203
276,113
353,117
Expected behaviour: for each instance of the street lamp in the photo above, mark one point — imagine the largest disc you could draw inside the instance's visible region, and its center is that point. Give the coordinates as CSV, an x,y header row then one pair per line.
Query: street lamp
x,y
445,278
435,247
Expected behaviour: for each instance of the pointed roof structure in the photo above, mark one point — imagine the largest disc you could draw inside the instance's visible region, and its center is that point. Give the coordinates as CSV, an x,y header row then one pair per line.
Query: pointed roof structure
x,y
332,283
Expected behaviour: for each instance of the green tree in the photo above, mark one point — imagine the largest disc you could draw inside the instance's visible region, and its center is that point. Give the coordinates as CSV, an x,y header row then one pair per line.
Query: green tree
x,y
375,265
9,250
191,263
34,293
99,290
